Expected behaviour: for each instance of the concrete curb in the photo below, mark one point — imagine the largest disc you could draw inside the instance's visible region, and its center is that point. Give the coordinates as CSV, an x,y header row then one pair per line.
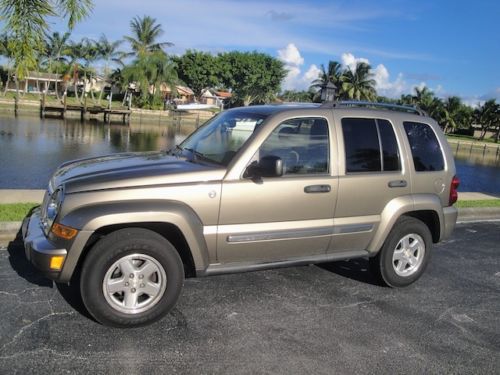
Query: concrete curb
x,y
9,229
478,214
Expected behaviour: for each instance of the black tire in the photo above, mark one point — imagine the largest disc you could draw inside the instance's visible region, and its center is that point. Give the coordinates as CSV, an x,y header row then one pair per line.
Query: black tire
x,y
121,245
383,265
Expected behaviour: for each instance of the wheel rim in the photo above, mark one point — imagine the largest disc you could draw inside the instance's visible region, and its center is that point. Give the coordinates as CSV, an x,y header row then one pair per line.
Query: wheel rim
x,y
134,283
408,255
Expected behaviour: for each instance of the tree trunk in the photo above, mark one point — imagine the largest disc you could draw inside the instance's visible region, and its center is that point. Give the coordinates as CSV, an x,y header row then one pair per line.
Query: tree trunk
x,y
497,136
16,100
91,89
75,81
6,83
483,133
55,83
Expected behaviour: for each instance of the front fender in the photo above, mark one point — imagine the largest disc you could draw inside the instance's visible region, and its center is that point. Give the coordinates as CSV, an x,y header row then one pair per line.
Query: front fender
x,y
90,218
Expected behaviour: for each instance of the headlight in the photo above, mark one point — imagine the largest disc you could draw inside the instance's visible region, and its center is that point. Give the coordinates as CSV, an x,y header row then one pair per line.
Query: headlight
x,y
52,210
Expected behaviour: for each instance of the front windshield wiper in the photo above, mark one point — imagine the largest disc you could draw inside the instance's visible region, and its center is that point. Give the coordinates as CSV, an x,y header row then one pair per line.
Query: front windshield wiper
x,y
196,154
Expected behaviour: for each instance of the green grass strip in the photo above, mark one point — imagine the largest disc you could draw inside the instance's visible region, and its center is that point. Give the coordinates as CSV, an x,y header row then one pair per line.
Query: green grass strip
x,y
15,211
478,203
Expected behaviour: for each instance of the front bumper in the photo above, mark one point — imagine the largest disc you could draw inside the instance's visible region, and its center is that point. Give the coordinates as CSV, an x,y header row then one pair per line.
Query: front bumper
x,y
37,248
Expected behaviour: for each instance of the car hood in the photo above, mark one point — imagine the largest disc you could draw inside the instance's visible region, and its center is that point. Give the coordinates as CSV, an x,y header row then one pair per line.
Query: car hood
x,y
127,170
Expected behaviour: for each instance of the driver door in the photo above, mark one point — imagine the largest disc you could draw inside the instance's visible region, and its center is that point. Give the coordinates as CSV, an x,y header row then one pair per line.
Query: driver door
x,y
279,218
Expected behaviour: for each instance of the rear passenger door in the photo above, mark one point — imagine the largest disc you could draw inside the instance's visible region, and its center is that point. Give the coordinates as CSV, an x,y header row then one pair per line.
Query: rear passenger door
x,y
372,174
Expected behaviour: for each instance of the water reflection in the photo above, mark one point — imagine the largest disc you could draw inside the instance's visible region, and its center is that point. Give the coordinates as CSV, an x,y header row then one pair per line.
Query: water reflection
x,y
31,149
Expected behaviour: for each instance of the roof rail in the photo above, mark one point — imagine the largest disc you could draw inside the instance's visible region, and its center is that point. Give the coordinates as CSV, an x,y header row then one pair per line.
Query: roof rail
x,y
389,106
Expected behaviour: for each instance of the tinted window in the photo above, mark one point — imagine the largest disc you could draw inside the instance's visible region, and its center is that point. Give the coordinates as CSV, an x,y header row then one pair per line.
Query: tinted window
x,y
302,144
361,144
390,150
427,154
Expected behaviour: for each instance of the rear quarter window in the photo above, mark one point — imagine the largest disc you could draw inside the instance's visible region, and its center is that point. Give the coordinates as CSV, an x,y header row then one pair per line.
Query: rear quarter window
x,y
425,148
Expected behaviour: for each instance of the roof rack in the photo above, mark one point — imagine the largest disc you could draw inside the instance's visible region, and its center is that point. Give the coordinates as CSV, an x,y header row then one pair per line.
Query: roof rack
x,y
388,106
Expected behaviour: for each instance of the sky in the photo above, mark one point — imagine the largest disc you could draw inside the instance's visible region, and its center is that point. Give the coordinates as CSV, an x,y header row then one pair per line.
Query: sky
x,y
450,46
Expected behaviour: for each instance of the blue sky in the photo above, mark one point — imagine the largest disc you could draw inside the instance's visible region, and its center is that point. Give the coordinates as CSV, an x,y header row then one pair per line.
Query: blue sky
x,y
453,47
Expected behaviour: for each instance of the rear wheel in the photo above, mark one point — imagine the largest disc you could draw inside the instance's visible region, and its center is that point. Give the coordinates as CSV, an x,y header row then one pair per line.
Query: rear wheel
x,y
405,253
131,277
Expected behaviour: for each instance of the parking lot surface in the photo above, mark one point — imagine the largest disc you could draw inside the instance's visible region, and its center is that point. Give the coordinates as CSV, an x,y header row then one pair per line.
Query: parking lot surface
x,y
333,318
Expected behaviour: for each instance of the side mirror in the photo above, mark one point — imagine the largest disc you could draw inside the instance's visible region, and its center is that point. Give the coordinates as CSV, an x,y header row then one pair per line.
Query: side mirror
x,y
269,166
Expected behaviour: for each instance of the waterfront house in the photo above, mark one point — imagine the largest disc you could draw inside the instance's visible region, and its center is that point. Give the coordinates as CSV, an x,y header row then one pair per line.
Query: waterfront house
x,y
37,83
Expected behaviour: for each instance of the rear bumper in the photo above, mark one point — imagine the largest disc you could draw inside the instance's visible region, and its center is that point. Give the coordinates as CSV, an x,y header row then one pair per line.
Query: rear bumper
x,y
37,248
450,215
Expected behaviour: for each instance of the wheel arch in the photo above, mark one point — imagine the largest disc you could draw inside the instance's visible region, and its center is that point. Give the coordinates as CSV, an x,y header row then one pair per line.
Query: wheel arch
x,y
174,221
424,207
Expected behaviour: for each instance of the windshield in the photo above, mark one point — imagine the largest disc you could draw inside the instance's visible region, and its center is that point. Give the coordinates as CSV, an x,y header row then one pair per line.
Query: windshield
x,y
221,137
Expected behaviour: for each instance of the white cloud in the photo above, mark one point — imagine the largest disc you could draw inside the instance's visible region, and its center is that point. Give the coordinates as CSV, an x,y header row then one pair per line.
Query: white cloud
x,y
295,80
290,55
349,61
384,85
312,73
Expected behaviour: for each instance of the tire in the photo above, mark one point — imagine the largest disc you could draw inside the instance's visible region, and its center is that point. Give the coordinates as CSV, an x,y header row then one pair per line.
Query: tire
x,y
405,253
131,277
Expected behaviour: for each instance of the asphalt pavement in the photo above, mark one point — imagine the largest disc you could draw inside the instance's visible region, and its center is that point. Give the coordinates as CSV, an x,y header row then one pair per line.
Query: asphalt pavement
x,y
333,318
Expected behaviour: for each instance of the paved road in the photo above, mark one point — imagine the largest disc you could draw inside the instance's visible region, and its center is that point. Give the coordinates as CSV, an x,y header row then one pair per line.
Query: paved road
x,y
318,320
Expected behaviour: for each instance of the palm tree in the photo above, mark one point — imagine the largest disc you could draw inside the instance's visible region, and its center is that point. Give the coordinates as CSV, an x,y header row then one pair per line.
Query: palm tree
x,y
333,74
359,84
76,51
488,116
56,48
5,52
151,71
28,22
145,32
108,51
90,56
423,98
451,110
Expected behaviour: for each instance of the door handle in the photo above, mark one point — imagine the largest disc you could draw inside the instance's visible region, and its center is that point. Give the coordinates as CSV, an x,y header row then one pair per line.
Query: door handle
x,y
311,189
397,183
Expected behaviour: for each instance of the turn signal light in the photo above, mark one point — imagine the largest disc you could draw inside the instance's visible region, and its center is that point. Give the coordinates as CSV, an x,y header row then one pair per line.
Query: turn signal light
x,y
56,262
63,231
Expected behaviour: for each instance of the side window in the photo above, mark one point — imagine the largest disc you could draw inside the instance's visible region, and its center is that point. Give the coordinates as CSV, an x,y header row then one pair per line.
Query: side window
x,y
362,147
302,144
425,148
390,150
370,145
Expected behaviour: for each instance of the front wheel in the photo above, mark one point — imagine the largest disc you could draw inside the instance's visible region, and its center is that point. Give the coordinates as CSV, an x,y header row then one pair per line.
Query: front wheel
x,y
405,253
131,277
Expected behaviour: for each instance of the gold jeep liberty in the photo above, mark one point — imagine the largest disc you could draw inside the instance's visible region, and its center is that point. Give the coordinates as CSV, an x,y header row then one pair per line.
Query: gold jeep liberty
x,y
253,188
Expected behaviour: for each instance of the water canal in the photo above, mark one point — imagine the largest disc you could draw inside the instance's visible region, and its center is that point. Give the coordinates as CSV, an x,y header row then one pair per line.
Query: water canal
x,y
31,149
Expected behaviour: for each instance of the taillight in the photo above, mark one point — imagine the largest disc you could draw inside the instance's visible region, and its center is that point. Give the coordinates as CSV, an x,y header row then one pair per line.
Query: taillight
x,y
455,182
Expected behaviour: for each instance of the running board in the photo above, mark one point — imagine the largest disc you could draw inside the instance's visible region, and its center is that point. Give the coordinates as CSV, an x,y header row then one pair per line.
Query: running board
x,y
219,268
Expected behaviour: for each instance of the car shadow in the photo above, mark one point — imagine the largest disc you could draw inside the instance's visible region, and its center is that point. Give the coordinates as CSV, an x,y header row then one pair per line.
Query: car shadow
x,y
22,266
355,269
27,271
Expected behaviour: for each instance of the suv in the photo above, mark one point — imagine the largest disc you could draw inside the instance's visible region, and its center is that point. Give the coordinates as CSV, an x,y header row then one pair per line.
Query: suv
x,y
253,188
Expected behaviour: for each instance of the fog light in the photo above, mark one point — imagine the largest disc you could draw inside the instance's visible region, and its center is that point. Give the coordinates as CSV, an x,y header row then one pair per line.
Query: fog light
x,y
56,262
63,231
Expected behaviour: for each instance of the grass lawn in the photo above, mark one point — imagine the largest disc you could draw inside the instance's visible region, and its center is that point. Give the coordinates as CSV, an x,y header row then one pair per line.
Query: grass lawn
x,y
15,211
479,203
468,138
